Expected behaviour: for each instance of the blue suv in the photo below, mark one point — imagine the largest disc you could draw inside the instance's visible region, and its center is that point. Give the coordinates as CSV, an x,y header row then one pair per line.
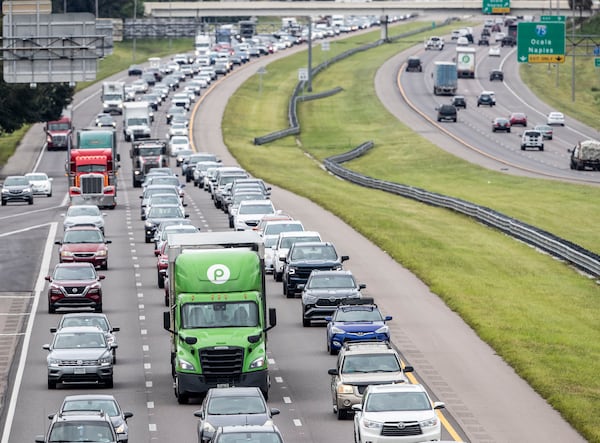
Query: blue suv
x,y
358,321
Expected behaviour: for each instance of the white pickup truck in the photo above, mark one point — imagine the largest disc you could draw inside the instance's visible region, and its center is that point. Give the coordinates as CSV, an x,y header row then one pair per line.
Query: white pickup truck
x,y
434,42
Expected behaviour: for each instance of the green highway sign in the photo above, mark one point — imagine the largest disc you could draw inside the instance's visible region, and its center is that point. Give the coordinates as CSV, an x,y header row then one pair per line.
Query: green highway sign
x,y
553,18
542,42
597,62
496,6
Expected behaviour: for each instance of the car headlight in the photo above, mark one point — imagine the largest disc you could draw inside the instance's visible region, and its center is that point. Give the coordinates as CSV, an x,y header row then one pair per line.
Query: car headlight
x,y
383,330
429,423
101,253
120,429
186,365
106,360
309,299
207,427
149,225
336,330
66,254
5,191
371,424
345,389
53,362
258,363
337,268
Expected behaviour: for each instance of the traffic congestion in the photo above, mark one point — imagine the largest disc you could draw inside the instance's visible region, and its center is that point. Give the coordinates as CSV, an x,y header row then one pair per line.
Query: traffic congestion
x,y
212,281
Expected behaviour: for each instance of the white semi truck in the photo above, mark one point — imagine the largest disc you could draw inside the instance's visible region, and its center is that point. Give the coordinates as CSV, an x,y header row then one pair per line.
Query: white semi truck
x,y
113,97
136,121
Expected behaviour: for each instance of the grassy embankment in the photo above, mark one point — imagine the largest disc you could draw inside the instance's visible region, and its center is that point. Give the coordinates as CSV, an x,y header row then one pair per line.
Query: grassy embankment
x,y
540,315
118,61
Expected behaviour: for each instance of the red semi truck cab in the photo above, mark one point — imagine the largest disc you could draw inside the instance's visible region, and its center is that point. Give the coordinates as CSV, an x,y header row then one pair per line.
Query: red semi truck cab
x,y
59,133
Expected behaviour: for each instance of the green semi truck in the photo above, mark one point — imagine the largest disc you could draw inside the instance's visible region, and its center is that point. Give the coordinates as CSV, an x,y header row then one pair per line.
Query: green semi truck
x,y
218,316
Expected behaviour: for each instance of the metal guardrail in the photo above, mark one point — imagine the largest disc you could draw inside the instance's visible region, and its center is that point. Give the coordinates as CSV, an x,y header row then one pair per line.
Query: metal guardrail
x,y
560,248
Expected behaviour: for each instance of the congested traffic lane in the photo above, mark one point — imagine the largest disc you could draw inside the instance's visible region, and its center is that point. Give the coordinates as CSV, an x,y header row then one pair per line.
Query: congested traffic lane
x,y
474,129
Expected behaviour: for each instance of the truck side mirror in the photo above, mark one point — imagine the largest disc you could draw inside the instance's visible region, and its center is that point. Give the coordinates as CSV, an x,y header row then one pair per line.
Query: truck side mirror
x,y
118,157
272,317
332,371
167,321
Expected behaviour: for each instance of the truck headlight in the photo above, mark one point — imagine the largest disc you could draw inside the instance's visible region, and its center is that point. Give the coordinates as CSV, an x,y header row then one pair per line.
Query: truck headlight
x,y
309,299
186,365
371,424
258,363
336,330
53,362
106,360
207,427
383,330
149,225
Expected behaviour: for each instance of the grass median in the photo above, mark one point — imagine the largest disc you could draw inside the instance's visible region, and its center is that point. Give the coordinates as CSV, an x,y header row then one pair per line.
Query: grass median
x,y
538,314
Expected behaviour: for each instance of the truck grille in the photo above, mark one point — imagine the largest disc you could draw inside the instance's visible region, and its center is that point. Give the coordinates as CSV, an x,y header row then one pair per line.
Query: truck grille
x,y
329,302
92,184
149,165
75,290
221,361
304,273
59,140
401,429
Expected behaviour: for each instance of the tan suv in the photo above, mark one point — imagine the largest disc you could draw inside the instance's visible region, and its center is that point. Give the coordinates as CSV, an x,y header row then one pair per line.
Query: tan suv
x,y
359,365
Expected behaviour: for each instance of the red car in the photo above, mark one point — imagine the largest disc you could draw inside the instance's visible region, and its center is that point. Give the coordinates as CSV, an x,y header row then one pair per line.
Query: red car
x,y
518,118
84,244
162,263
74,285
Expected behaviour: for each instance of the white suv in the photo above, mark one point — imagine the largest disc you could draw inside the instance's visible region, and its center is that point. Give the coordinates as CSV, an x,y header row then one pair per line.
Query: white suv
x,y
532,139
397,413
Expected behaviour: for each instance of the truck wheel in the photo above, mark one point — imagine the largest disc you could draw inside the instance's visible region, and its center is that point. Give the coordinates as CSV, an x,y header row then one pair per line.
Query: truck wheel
x,y
161,281
342,414
98,308
542,148
182,399
277,276
3,202
51,384
305,322
109,383
30,202
522,147
51,308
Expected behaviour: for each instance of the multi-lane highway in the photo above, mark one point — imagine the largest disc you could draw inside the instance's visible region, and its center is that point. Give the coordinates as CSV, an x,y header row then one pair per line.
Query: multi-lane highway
x,y
486,400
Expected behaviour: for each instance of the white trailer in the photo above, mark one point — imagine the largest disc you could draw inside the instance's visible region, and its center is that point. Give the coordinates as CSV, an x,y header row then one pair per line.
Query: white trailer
x,y
113,97
136,121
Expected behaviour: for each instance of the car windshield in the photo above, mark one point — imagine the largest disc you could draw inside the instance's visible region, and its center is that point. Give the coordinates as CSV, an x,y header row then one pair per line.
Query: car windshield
x,y
331,281
92,404
229,405
370,363
237,198
16,181
78,211
184,229
164,199
219,315
287,242
397,401
179,141
357,315
74,273
81,320
79,431
37,177
249,437
83,236
165,180
314,253
256,209
277,228
270,241
165,212
74,340
150,192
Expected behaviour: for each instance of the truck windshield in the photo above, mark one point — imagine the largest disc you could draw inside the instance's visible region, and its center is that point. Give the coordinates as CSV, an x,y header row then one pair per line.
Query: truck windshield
x,y
219,315
58,127
137,121
146,152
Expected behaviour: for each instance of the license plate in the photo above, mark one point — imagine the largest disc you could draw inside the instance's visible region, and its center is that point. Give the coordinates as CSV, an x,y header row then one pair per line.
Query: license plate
x,y
222,385
79,371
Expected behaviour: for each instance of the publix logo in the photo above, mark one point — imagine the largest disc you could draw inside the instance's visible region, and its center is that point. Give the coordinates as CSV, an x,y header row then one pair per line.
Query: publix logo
x,y
466,58
218,274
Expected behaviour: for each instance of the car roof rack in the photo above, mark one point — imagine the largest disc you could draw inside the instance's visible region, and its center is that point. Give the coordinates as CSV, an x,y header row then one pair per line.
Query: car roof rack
x,y
357,301
348,345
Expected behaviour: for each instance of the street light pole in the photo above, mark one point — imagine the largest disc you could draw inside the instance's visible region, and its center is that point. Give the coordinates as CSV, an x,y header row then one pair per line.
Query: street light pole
x,y
573,54
134,27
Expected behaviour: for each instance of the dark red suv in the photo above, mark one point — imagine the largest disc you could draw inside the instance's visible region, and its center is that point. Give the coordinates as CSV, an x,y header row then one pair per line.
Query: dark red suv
x,y
74,285
84,244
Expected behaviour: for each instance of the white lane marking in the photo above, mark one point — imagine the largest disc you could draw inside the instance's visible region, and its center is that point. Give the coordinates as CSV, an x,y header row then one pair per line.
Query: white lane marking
x,y
147,366
144,332
150,405
39,287
278,380
148,384
287,400
297,422
146,348
28,213
271,361
152,427
142,317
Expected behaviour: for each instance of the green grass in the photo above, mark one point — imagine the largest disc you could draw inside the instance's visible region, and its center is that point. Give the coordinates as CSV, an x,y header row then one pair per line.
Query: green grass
x,y
9,142
540,315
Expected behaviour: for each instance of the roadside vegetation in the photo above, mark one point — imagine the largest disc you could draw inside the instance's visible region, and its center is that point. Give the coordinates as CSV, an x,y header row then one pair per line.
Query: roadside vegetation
x,y
537,313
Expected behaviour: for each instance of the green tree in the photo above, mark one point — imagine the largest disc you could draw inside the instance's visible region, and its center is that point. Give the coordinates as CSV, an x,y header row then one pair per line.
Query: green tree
x,y
581,5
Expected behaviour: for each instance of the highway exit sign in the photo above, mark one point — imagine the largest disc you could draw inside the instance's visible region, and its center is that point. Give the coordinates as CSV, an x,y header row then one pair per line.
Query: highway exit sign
x,y
496,6
542,42
553,18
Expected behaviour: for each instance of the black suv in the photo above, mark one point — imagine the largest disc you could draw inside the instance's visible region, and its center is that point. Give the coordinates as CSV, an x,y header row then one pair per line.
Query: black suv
x,y
414,64
459,101
324,291
485,99
484,40
303,258
508,41
446,113
496,74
